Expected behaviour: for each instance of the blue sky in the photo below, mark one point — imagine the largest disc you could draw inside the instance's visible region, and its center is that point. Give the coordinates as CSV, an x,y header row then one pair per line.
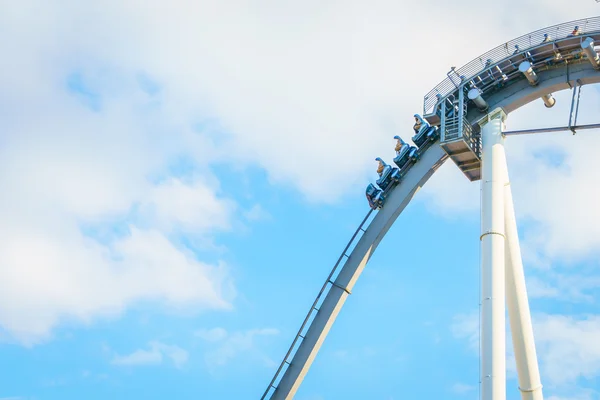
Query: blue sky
x,y
180,178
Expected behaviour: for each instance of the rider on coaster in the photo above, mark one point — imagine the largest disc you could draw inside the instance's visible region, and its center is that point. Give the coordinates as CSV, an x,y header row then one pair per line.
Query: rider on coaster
x,y
417,125
400,143
380,167
419,122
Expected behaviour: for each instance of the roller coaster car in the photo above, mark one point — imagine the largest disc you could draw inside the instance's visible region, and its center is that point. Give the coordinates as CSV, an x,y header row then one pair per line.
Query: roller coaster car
x,y
374,196
427,133
406,155
388,176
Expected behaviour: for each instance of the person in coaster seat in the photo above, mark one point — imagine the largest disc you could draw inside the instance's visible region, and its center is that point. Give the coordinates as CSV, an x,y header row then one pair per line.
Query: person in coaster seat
x,y
400,143
576,31
417,125
547,38
371,194
380,167
420,122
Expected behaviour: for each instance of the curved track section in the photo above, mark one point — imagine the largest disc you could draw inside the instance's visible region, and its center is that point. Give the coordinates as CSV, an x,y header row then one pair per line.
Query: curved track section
x,y
342,286
560,64
540,47
521,93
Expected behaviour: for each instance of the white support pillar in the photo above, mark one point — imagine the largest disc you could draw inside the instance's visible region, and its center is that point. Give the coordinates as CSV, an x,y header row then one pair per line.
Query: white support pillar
x,y
493,318
519,316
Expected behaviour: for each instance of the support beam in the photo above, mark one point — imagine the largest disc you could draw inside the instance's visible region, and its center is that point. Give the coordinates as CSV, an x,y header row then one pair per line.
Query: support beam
x,y
554,129
493,320
517,303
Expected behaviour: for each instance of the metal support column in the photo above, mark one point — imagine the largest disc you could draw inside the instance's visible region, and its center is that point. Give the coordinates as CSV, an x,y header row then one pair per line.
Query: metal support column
x,y
517,303
493,320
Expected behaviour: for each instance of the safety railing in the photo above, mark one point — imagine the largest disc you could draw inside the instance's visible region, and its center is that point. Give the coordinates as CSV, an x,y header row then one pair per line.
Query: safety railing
x,y
472,139
452,120
329,282
453,132
503,51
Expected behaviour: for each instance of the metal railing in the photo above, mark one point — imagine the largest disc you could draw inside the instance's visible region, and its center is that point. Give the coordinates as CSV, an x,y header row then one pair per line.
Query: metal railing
x,y
452,121
453,132
472,139
500,53
329,282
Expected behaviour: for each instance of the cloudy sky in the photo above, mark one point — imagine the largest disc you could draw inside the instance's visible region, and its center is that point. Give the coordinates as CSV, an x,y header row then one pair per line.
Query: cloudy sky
x,y
178,178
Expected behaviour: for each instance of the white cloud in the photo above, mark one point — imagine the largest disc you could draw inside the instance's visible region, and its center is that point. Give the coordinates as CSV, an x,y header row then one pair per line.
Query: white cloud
x,y
87,374
257,213
577,394
189,207
155,355
312,104
272,84
82,176
450,194
140,357
462,388
85,232
225,346
212,335
572,287
466,326
69,276
537,288
566,346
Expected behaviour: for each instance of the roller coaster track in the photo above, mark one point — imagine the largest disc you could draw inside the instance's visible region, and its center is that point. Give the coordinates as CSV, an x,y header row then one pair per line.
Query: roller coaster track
x,y
560,63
